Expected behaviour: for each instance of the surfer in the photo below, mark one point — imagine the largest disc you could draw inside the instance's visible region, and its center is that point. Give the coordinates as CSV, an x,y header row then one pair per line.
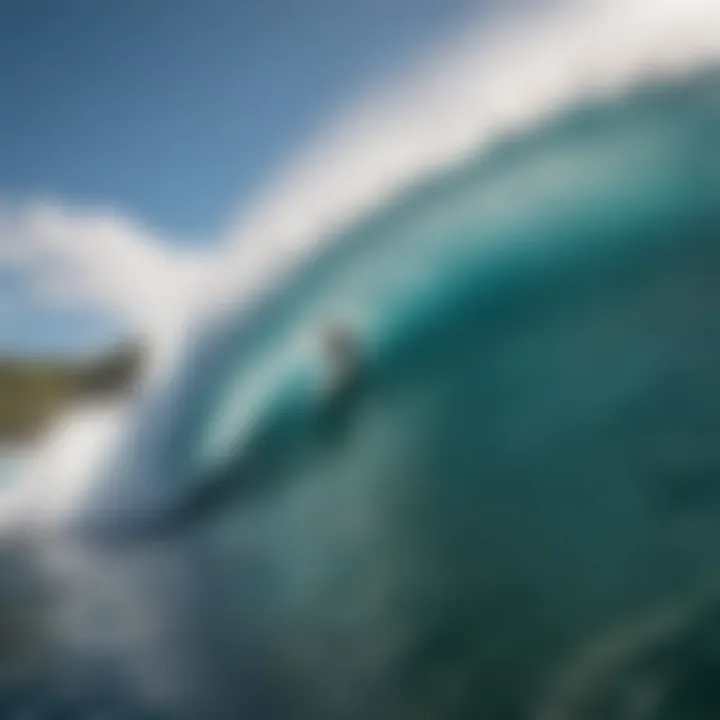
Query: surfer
x,y
342,357
344,374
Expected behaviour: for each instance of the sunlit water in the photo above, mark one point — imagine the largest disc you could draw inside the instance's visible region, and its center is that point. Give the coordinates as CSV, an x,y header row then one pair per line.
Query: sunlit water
x,y
519,519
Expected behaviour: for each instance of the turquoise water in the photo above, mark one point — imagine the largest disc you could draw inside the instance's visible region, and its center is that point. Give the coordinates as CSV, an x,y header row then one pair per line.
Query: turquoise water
x,y
606,180
519,515
520,481
516,513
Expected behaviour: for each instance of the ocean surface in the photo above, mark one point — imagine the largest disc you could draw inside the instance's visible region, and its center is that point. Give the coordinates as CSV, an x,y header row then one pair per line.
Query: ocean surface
x,y
520,519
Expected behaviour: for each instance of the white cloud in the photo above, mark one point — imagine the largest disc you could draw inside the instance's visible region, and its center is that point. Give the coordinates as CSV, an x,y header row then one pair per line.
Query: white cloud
x,y
69,259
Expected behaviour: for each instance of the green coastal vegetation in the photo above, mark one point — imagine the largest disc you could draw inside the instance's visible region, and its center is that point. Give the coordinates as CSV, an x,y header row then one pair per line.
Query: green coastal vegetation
x,y
33,391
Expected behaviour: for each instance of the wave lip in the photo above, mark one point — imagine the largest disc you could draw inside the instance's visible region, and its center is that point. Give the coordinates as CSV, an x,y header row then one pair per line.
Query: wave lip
x,y
492,80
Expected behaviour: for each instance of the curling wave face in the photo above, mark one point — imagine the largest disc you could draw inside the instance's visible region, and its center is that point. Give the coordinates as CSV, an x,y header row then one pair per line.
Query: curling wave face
x,y
516,513
513,514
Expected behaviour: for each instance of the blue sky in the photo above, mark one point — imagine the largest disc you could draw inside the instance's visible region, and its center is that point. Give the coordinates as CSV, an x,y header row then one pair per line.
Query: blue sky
x,y
173,110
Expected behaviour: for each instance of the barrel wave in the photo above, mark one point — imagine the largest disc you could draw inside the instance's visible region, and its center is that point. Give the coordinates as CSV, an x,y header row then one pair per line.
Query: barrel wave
x,y
507,506
518,515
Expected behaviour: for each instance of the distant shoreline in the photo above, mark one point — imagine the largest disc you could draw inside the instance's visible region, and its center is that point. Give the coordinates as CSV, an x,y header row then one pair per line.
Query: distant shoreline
x,y
34,392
